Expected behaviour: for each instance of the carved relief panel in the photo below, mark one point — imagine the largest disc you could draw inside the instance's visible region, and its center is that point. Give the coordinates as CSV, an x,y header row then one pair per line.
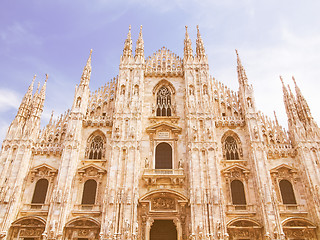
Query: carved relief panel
x,y
163,205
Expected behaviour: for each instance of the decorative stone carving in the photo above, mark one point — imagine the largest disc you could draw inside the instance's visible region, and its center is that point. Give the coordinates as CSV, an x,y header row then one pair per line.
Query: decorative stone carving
x,y
43,171
161,203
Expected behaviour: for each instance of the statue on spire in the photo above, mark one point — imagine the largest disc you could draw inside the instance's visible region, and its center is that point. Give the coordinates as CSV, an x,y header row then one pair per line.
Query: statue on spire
x,y
127,50
200,46
139,53
242,76
85,78
188,52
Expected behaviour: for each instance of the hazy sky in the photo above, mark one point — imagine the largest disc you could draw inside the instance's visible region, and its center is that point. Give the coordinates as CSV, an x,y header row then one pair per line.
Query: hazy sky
x,y
55,37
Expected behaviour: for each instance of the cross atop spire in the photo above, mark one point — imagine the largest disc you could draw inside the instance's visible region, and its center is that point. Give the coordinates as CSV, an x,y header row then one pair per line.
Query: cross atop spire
x,y
139,53
188,52
85,78
242,76
200,46
127,50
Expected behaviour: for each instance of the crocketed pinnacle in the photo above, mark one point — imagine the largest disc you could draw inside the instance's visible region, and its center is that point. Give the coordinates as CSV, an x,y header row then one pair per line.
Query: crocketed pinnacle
x,y
127,50
200,46
43,89
139,53
26,101
242,76
188,52
85,78
302,102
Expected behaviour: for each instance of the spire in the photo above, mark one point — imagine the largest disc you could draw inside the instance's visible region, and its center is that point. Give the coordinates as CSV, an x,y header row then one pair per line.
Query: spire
x,y
289,103
127,50
139,53
43,89
25,103
51,118
85,78
188,52
301,102
242,77
275,118
200,46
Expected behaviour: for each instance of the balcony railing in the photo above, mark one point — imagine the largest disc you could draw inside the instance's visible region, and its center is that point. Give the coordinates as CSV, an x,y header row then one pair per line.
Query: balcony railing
x,y
163,172
165,176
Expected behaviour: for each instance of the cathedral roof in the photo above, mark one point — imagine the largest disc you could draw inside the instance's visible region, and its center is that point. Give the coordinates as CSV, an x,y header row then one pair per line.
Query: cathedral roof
x,y
164,63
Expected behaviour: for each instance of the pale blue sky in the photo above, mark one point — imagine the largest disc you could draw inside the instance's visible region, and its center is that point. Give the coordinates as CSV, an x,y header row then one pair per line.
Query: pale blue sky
x,y
273,38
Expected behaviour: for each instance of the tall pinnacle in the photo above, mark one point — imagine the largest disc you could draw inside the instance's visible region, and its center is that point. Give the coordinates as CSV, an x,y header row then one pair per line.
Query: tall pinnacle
x,y
200,46
242,77
25,103
127,50
139,53
302,102
85,78
188,52
43,89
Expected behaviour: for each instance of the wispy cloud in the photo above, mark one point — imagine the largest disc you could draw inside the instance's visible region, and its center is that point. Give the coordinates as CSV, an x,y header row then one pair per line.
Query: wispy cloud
x,y
9,99
19,33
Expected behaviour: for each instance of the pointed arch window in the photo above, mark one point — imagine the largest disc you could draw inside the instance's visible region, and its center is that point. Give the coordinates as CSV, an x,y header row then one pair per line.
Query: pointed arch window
x,y
163,156
231,148
237,192
164,102
95,150
40,191
287,192
89,192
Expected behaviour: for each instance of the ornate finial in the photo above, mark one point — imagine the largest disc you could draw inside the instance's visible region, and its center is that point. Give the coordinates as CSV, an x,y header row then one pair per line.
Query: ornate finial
x,y
43,89
281,79
200,46
38,87
294,80
242,76
127,50
51,118
140,45
85,78
188,52
275,117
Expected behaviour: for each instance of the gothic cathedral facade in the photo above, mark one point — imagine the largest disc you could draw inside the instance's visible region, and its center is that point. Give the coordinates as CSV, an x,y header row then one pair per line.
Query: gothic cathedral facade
x,y
163,151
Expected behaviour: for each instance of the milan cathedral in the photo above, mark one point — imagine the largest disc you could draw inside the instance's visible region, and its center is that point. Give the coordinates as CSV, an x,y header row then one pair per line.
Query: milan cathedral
x,y
163,151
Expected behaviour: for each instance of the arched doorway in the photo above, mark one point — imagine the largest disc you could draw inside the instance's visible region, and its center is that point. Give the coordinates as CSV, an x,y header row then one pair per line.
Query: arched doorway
x,y
163,215
163,229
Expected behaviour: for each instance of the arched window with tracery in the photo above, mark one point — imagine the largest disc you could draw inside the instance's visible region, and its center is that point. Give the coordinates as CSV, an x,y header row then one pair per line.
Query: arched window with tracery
x,y
287,192
89,192
163,102
163,158
231,149
40,191
95,150
238,193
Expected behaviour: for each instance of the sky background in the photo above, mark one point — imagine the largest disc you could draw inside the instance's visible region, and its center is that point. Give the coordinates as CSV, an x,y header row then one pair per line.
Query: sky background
x,y
55,37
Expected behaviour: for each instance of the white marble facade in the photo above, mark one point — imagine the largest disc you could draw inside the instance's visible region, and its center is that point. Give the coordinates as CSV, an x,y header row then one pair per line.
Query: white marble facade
x,y
162,143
